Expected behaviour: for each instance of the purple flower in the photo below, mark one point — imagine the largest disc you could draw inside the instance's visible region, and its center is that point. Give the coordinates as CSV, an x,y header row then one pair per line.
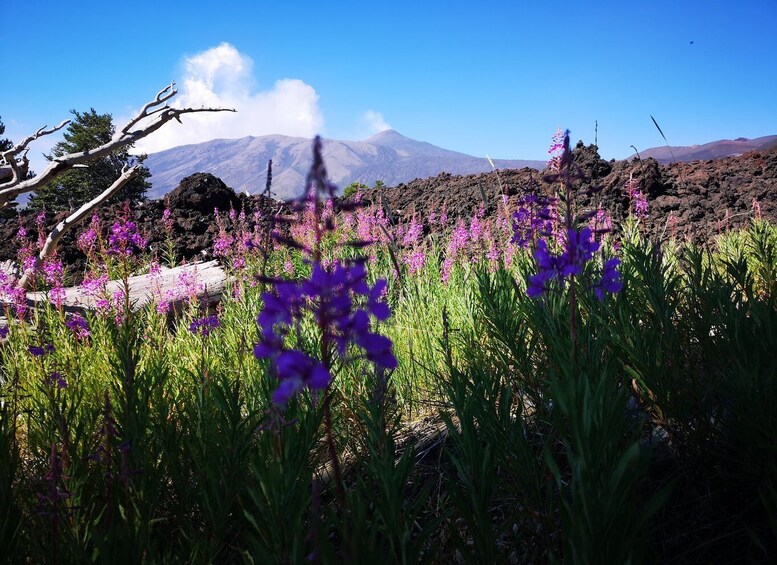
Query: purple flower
x,y
79,326
534,217
476,226
556,149
580,248
640,204
56,378
204,326
37,351
297,370
549,269
377,348
611,279
223,245
336,297
330,296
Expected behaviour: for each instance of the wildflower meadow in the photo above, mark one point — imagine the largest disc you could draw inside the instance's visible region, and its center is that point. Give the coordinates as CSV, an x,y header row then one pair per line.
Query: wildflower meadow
x,y
539,385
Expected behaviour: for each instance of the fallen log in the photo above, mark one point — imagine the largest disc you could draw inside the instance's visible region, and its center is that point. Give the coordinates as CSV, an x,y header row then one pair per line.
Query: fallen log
x,y
204,282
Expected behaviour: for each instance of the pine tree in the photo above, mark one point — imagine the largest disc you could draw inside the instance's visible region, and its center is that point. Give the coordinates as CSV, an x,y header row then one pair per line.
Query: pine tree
x,y
5,144
87,131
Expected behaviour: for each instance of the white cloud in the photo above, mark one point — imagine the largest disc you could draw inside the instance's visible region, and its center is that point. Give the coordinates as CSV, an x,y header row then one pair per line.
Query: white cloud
x,y
375,122
223,77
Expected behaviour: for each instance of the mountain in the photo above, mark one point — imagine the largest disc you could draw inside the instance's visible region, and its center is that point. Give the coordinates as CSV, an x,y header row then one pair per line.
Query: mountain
x,y
712,150
242,163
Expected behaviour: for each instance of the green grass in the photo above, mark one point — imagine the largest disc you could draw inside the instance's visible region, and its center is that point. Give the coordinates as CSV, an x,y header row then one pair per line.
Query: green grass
x,y
164,446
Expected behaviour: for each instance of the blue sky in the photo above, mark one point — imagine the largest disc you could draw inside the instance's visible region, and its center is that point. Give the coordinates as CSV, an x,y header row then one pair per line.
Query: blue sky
x,y
482,78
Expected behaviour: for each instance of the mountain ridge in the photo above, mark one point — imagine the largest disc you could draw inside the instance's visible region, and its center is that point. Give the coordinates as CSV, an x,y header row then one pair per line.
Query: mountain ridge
x,y
705,151
241,163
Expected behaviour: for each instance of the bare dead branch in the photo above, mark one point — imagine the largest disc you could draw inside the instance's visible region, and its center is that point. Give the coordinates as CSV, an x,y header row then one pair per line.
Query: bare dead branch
x,y
52,241
15,158
160,116
161,97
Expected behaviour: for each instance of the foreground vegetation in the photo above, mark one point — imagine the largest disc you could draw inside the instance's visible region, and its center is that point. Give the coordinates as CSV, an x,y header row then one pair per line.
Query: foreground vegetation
x,y
598,420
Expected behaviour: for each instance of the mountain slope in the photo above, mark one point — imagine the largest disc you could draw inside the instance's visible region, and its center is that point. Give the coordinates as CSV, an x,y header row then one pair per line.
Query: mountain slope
x,y
242,163
712,150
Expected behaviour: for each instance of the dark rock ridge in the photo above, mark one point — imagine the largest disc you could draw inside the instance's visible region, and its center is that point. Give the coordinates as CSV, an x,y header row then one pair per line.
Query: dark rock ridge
x,y
702,196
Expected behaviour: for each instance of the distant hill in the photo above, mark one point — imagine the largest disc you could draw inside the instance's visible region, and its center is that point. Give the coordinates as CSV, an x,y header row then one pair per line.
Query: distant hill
x,y
712,150
242,163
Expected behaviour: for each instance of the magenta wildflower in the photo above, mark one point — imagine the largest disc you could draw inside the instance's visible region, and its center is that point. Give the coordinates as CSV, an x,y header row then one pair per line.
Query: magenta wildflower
x,y
87,241
125,239
639,203
53,271
188,285
94,287
415,261
493,255
601,222
40,224
222,246
414,232
459,238
167,221
476,227
556,149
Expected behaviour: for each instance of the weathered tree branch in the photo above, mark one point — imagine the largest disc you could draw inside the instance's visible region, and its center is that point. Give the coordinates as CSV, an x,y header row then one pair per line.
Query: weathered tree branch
x,y
160,116
16,160
157,111
161,97
50,247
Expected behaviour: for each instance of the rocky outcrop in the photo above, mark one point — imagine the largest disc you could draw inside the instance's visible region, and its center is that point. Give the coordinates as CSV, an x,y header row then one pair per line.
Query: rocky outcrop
x,y
695,200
